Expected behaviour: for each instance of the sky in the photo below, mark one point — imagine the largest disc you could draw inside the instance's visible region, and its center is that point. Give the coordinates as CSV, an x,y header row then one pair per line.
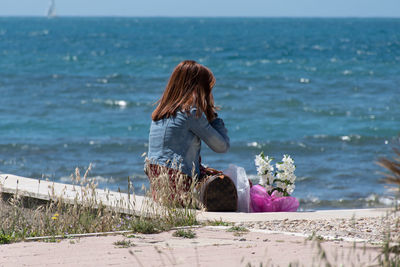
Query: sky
x,y
206,8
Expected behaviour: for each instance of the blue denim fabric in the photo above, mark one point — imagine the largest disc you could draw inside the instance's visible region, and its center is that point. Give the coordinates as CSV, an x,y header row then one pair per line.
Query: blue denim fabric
x,y
175,142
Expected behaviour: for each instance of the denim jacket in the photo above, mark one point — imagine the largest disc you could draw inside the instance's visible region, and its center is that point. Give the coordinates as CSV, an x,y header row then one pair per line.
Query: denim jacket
x,y
175,142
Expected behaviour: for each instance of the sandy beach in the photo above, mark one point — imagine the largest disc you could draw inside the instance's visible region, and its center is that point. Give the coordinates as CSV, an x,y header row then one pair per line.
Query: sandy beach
x,y
212,246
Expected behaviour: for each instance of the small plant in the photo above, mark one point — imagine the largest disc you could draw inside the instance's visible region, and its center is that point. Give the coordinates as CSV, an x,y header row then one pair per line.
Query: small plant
x,y
130,236
315,237
393,166
5,238
238,229
51,240
217,223
390,253
145,226
124,244
184,233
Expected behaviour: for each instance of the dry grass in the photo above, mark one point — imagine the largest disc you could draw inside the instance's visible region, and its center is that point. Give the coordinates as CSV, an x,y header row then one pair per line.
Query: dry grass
x,y
175,198
26,217
393,166
390,253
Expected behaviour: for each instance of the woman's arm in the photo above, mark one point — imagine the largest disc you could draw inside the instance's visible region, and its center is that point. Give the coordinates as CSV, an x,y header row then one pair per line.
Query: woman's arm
x,y
214,134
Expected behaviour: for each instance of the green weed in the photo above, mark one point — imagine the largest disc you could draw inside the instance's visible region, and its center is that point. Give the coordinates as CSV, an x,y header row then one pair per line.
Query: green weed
x,y
184,233
238,229
124,244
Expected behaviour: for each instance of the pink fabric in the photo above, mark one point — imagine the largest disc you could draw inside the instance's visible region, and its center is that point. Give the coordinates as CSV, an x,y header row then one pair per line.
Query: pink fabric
x,y
261,201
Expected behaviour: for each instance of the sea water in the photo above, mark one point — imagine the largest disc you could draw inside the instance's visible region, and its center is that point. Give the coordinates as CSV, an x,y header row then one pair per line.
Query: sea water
x,y
75,91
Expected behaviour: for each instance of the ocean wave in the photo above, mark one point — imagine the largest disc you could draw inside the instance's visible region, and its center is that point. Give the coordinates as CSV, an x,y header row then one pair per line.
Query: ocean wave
x,y
371,201
116,103
350,138
254,144
326,112
69,57
112,103
304,80
39,33
308,142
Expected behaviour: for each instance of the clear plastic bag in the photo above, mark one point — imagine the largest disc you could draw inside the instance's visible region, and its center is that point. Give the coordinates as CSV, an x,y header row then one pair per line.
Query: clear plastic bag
x,y
239,178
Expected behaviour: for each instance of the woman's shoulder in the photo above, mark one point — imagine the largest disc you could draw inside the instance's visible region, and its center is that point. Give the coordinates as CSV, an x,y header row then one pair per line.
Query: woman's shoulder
x,y
188,114
181,117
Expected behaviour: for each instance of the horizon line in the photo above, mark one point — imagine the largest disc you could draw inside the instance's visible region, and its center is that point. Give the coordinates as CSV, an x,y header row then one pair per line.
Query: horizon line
x,y
219,16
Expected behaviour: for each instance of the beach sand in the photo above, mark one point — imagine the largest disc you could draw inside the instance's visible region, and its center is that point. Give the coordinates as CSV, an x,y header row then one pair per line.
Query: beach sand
x,y
212,246
279,240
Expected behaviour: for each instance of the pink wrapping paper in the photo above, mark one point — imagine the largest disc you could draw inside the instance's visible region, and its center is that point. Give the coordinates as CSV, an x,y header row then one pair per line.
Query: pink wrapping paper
x,y
261,201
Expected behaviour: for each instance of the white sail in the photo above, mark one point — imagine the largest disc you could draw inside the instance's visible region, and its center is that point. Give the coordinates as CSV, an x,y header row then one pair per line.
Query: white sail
x,y
51,12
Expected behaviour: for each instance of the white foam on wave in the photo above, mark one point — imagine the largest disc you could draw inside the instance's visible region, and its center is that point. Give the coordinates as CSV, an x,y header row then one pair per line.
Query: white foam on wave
x,y
345,138
70,58
283,61
97,53
346,72
39,33
254,144
320,136
121,103
304,80
317,47
311,68
109,102
384,200
348,138
104,81
301,144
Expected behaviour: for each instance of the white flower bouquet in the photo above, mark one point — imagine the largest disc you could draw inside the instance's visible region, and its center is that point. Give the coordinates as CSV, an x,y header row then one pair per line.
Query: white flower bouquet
x,y
279,182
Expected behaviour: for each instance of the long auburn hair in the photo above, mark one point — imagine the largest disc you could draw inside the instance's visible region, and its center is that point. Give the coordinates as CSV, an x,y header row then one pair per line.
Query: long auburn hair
x,y
189,86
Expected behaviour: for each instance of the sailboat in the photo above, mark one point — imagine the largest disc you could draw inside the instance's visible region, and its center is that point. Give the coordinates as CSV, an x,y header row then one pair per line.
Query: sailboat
x,y
51,12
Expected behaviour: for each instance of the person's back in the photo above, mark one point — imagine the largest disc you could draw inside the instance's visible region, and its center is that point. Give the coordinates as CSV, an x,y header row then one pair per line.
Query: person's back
x,y
176,141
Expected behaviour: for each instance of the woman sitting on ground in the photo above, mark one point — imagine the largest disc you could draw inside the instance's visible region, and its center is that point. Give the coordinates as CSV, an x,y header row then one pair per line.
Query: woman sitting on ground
x,y
184,116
